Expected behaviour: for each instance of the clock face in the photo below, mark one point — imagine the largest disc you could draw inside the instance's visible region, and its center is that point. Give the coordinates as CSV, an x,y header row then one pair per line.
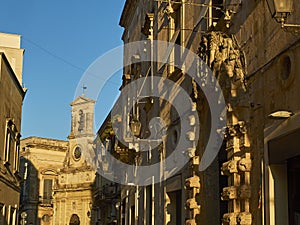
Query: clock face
x,y
77,153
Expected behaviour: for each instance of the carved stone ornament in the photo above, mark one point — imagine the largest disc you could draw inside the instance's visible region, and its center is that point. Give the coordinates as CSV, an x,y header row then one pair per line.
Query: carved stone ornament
x,y
192,204
223,55
244,218
233,192
190,222
245,165
229,193
229,167
244,192
236,166
238,129
229,219
192,182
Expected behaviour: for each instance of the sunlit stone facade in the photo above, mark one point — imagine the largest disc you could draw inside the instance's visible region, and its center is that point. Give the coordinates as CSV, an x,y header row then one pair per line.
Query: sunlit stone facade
x,y
58,175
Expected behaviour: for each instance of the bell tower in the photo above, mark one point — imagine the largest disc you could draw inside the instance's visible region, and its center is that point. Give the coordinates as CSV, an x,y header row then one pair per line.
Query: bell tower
x,y
82,132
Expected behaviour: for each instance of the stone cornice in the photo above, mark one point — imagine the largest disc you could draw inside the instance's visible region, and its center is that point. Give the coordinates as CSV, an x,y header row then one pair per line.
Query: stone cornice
x,y
45,143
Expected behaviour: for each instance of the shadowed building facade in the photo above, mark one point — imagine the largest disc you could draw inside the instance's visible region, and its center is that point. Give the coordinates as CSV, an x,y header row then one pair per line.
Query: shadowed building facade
x,y
254,177
12,95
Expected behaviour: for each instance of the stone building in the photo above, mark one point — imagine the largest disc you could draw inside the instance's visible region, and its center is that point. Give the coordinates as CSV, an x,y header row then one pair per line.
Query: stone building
x,y
12,95
59,175
41,160
254,177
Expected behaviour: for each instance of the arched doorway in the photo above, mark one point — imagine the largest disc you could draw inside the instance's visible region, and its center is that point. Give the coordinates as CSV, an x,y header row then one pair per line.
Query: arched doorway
x,y
74,220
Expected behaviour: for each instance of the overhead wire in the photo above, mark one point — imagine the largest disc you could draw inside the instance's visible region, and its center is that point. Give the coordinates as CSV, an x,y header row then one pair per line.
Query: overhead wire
x,y
67,62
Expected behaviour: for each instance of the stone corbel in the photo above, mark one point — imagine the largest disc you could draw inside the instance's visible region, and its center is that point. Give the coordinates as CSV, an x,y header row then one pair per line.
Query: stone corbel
x,y
192,182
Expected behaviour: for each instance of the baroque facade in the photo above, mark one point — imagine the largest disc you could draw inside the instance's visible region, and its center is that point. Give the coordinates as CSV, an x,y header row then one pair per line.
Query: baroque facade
x,y
12,95
58,175
254,177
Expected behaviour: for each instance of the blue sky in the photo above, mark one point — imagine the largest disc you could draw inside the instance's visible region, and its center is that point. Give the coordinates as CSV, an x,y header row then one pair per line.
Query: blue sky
x,y
61,39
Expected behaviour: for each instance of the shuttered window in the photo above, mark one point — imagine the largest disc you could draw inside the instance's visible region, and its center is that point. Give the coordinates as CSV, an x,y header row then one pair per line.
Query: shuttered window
x,y
47,196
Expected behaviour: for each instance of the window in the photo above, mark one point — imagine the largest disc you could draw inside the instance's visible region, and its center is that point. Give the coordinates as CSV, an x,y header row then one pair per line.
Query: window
x,y
47,195
12,215
77,153
12,139
17,158
81,121
7,145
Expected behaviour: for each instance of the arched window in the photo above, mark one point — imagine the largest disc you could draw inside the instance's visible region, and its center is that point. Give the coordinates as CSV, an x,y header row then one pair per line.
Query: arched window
x,y
74,220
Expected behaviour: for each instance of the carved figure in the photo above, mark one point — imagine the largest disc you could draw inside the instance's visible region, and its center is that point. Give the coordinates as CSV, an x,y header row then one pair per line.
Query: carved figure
x,y
224,57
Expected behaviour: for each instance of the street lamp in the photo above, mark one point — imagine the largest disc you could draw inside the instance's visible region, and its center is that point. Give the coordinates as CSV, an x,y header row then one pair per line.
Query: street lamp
x,y
135,126
280,10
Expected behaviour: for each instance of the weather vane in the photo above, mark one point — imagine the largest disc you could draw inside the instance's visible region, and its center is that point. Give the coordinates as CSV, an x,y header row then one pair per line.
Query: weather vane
x,y
83,88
